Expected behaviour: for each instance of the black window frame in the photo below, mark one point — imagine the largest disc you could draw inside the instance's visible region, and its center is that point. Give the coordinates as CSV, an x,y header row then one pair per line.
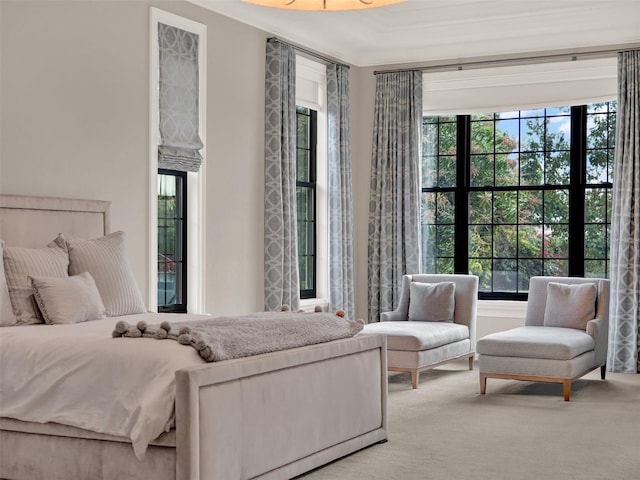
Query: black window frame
x,y
181,218
310,152
577,189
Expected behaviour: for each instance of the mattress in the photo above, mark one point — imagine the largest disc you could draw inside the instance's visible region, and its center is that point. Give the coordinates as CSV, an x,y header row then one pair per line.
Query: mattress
x,y
78,375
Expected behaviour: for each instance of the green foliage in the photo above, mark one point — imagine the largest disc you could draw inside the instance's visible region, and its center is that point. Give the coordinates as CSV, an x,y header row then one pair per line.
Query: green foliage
x,y
514,235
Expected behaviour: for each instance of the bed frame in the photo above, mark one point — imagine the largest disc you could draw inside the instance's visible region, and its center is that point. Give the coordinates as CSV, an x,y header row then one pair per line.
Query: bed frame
x,y
271,416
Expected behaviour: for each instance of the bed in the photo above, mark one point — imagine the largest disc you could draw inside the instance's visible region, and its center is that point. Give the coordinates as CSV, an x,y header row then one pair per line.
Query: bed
x,y
275,415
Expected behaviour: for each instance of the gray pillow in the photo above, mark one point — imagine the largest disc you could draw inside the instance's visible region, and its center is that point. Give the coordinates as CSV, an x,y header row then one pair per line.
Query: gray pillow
x,y
432,302
107,261
67,300
570,306
7,317
19,263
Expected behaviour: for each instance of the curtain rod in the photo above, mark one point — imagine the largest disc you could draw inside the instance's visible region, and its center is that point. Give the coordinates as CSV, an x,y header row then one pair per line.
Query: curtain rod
x,y
308,52
450,65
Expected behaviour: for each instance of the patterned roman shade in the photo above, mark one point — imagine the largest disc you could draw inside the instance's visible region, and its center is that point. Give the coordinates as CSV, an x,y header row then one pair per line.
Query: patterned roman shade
x,y
178,92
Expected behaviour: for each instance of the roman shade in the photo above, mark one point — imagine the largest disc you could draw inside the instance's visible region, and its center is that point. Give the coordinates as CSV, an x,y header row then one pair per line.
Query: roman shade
x,y
178,97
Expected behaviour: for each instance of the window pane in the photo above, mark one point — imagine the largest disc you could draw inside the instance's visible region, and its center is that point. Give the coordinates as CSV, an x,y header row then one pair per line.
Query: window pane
x,y
480,241
482,268
171,244
480,207
531,168
445,240
505,276
595,268
530,207
505,207
305,199
482,137
556,206
557,168
595,241
595,210
505,241
445,210
530,242
532,134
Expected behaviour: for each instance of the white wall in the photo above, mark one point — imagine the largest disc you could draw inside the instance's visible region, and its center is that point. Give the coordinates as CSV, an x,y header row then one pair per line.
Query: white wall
x,y
74,88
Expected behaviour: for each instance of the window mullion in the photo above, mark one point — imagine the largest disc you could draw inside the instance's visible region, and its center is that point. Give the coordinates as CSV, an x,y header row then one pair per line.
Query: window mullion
x,y
463,162
577,189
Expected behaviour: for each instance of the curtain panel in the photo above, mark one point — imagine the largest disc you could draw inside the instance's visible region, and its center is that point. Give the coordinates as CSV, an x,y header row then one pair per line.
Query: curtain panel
x,y
281,281
178,100
341,283
394,199
624,316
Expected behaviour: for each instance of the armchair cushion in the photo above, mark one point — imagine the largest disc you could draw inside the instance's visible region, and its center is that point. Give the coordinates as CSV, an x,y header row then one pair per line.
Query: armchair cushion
x,y
432,302
536,342
570,306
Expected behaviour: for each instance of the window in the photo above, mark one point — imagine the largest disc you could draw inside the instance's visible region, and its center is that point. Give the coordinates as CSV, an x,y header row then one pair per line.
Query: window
x,y
311,181
172,241
306,148
176,187
510,195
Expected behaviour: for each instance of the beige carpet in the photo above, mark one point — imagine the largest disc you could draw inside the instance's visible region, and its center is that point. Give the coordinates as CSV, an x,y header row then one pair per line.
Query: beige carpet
x,y
446,430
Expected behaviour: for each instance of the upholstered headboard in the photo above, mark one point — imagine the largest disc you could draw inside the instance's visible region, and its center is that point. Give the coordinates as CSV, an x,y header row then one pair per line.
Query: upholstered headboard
x,y
28,221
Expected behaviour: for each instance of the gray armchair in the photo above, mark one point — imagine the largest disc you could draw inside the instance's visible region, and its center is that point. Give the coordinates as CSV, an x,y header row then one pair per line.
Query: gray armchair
x,y
417,345
552,346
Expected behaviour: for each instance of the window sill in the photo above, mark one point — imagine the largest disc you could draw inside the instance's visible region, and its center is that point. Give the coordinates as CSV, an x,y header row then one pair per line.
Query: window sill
x,y
502,309
309,304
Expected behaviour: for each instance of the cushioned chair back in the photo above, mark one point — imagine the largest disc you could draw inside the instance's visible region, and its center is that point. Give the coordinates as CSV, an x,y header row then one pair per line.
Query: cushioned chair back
x,y
466,297
538,297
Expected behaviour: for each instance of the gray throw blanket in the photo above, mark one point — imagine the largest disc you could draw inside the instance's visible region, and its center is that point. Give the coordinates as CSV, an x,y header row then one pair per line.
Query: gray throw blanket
x,y
223,338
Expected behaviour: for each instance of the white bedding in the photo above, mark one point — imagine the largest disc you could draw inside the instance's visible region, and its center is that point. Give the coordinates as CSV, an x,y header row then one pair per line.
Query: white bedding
x,y
78,375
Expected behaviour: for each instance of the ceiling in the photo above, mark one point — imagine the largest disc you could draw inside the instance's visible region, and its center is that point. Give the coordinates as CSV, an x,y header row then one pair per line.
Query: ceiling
x,y
436,31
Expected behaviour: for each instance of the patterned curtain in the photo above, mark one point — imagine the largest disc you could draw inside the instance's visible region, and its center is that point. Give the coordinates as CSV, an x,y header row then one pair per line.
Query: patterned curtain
x,y
341,287
624,325
178,100
394,200
281,282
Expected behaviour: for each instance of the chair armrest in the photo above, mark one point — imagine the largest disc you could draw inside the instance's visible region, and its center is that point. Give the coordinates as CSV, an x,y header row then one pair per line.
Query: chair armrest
x,y
392,316
598,328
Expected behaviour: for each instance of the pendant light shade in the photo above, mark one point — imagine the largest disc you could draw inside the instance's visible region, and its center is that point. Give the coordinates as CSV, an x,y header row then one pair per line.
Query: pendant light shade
x,y
324,4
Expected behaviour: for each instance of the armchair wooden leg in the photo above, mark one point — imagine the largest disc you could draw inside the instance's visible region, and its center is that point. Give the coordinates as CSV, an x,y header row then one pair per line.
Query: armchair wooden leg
x,y
603,371
415,378
471,362
566,389
483,384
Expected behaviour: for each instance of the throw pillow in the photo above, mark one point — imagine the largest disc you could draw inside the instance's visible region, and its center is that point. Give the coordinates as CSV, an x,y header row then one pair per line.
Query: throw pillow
x,y
107,261
570,305
7,317
432,302
67,300
19,263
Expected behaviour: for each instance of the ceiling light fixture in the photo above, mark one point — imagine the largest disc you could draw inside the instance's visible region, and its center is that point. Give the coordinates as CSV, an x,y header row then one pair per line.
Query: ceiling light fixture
x,y
324,4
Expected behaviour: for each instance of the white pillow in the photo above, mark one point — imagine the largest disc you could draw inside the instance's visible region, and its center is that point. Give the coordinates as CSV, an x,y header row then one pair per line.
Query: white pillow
x,y
67,300
432,302
107,261
570,305
7,317
19,263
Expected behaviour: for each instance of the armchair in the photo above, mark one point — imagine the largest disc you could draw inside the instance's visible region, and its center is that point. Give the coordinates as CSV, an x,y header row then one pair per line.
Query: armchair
x,y
414,345
565,335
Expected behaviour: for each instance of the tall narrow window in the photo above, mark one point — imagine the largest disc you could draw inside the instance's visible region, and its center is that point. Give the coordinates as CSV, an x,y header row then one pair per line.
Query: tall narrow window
x,y
306,144
178,124
172,241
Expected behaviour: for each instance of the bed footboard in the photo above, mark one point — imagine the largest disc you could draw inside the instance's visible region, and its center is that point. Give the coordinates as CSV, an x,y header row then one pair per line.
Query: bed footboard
x,y
281,414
